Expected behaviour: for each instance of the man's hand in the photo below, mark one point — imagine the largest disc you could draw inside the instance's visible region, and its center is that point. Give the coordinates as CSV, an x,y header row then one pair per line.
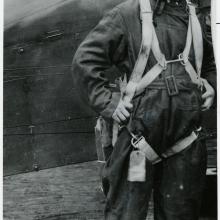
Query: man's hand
x,y
208,96
122,112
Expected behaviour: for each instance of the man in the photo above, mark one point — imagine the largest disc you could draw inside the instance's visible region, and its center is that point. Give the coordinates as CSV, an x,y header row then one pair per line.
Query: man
x,y
164,113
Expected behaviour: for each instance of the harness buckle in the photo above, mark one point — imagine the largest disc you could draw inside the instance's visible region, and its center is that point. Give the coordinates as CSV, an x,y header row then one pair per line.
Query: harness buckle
x,y
171,85
197,131
135,140
181,59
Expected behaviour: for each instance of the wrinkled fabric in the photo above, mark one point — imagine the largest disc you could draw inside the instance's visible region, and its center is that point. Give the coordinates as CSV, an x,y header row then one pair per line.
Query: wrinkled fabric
x,y
164,119
116,41
178,181
177,184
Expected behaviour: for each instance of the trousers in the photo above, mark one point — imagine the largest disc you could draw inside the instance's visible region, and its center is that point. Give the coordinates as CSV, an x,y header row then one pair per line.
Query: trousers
x,y
177,184
178,181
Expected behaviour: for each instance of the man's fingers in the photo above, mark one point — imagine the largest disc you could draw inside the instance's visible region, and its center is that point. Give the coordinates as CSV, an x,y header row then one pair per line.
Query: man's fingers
x,y
125,112
205,95
128,105
210,92
122,112
121,116
115,117
207,104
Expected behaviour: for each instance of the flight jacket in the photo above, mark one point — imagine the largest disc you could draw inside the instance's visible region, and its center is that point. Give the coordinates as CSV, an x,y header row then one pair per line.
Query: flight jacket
x,y
116,41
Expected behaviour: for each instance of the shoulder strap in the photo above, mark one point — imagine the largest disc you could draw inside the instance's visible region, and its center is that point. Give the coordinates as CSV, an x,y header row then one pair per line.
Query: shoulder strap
x,y
194,35
146,15
147,36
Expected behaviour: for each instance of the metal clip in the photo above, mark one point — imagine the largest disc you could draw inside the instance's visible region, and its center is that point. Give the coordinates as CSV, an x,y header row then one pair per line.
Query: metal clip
x,y
198,130
171,85
135,140
181,59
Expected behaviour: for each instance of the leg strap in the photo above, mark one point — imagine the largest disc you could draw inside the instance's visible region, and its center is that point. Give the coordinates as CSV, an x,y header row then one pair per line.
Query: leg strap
x,y
142,145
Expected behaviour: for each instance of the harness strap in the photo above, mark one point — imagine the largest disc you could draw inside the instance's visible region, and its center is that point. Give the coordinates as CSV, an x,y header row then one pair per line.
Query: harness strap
x,y
180,145
188,43
149,77
142,145
150,41
147,36
196,36
192,73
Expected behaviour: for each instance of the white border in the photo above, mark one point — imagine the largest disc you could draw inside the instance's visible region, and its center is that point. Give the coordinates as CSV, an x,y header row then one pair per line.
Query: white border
x,y
217,9
1,108
217,38
217,58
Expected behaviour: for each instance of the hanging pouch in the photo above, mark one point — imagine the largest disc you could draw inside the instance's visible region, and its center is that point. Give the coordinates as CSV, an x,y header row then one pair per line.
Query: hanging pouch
x,y
137,167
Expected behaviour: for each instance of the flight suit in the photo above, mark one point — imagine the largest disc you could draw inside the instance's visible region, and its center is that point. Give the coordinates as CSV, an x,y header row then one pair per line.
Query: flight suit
x,y
178,181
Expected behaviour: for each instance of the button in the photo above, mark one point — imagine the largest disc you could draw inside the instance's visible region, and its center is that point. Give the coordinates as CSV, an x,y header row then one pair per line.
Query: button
x,y
20,50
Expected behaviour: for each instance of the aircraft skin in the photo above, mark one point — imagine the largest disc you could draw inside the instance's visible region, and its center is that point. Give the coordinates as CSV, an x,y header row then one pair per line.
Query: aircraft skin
x,y
45,122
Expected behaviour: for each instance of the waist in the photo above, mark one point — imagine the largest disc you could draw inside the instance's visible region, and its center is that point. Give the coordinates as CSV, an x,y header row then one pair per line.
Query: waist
x,y
182,83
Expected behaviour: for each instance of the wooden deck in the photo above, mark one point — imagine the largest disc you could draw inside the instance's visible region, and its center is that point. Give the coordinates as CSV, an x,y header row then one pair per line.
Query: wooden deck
x,y
68,192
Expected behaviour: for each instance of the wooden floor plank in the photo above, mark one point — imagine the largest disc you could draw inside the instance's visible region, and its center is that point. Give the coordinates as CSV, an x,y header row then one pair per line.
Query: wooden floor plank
x,y
68,192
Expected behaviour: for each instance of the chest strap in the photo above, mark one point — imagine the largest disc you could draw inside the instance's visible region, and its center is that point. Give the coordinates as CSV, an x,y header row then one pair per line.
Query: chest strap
x,y
137,83
194,35
150,42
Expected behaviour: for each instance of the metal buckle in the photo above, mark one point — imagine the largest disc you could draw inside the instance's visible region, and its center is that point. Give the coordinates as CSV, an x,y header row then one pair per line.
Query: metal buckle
x,y
135,140
198,130
171,85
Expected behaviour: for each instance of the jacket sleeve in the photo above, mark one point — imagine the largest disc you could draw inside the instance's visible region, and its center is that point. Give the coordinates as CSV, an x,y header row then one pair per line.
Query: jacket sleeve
x,y
208,66
103,47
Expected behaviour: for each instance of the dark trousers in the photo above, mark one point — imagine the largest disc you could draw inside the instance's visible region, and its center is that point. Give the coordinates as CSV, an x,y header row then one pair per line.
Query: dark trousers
x,y
177,184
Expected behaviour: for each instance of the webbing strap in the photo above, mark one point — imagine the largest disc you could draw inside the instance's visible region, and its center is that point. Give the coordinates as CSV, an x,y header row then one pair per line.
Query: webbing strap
x,y
149,77
149,40
154,158
188,43
142,145
147,36
180,145
196,36
159,56
192,73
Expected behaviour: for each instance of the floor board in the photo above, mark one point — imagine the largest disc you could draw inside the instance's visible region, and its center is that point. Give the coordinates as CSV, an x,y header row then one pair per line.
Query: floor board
x,y
68,192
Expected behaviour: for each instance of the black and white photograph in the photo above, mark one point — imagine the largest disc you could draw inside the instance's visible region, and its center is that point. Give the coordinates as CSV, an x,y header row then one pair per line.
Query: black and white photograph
x,y
109,110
